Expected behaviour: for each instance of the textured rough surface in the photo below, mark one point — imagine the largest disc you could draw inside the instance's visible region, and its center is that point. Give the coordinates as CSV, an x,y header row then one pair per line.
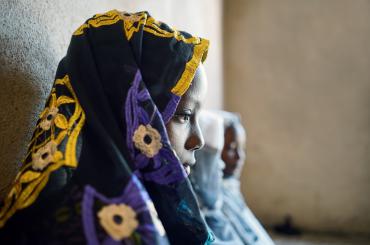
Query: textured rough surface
x,y
34,36
298,71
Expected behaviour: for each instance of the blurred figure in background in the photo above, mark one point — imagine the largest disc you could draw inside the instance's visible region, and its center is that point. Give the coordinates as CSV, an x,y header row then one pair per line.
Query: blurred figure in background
x,y
234,206
206,178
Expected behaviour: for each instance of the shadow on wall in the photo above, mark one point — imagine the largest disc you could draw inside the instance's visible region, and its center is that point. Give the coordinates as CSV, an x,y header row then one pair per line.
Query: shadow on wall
x,y
21,99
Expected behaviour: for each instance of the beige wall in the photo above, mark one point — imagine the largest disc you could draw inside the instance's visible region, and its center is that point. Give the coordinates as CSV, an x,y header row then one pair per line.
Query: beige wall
x,y
299,73
34,36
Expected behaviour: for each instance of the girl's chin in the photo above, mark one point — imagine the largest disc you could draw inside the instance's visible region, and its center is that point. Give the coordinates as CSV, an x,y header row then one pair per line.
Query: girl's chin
x,y
186,168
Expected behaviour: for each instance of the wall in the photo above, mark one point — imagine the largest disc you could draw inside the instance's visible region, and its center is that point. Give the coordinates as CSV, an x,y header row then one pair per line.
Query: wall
x,y
298,72
34,36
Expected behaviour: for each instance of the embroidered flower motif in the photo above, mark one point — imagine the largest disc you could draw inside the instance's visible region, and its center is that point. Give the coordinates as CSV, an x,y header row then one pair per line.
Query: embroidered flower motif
x,y
46,155
148,140
50,114
130,206
48,118
119,221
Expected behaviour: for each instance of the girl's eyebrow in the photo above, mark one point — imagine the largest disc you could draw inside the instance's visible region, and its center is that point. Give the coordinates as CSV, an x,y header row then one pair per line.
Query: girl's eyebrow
x,y
185,110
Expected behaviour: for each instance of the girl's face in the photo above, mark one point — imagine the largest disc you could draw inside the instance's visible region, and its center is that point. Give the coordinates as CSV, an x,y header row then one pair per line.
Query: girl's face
x,y
233,153
183,128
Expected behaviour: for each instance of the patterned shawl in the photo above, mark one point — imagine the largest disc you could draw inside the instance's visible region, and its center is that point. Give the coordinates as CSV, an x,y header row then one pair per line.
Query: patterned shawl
x,y
100,167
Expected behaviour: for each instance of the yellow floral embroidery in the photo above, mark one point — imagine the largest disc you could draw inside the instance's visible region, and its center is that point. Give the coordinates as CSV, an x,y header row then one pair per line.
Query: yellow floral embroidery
x,y
50,114
98,20
119,221
199,55
53,146
46,155
49,117
148,140
29,176
133,22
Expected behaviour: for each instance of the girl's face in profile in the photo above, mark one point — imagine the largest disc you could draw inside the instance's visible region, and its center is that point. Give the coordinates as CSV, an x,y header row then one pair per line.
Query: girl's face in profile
x,y
183,128
233,153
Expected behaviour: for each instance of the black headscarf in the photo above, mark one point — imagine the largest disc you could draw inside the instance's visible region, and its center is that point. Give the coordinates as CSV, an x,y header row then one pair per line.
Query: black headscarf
x,y
101,146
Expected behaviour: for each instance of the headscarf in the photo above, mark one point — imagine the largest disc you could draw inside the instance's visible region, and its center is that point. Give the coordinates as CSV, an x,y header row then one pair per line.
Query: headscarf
x,y
234,206
206,178
100,167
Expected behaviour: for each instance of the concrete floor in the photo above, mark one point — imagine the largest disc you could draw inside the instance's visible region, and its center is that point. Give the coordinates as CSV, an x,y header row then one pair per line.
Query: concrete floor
x,y
319,239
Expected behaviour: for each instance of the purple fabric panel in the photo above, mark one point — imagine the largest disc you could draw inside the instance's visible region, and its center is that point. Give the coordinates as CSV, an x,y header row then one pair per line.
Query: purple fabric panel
x,y
143,95
111,241
143,116
147,228
131,107
170,109
88,216
157,162
166,167
135,196
141,161
169,173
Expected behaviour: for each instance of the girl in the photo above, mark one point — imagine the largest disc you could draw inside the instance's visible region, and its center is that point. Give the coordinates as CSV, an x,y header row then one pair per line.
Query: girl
x,y
101,167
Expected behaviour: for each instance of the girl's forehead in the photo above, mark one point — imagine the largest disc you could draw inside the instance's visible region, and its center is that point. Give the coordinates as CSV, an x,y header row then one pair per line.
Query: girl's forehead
x,y
194,96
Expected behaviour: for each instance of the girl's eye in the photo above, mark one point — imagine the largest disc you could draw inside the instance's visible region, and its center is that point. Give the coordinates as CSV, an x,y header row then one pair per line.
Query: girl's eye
x,y
183,118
